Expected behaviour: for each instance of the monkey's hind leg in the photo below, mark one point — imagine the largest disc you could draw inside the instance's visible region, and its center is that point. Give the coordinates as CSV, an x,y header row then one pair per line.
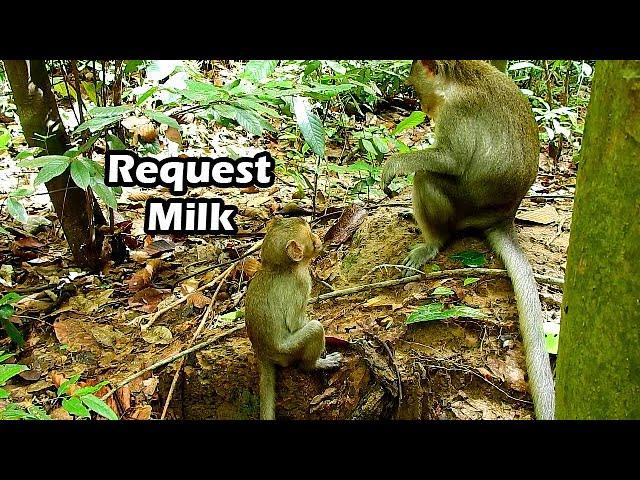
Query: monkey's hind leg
x,y
432,210
307,344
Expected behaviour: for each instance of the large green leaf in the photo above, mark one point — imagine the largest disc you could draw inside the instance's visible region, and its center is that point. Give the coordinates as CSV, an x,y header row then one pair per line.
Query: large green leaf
x,y
119,111
470,258
67,383
38,162
98,406
97,123
16,210
202,92
74,406
80,173
104,192
9,370
162,118
12,331
249,121
56,165
413,120
437,311
11,297
257,70
310,125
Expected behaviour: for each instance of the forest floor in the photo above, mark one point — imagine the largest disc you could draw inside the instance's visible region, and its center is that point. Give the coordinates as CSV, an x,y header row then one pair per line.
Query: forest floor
x,y
90,324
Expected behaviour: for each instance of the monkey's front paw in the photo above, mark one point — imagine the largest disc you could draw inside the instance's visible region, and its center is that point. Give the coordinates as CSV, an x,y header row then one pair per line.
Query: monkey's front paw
x,y
330,361
417,257
389,172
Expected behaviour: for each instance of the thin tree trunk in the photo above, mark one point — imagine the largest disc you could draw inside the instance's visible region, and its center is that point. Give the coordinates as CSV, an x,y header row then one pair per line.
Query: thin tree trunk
x,y
42,127
598,372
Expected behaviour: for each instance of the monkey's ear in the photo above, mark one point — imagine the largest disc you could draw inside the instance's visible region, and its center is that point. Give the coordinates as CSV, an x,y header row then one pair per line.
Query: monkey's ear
x,y
295,250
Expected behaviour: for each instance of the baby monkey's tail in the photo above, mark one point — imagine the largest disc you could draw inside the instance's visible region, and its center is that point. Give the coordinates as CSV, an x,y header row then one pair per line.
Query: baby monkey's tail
x,y
541,387
267,372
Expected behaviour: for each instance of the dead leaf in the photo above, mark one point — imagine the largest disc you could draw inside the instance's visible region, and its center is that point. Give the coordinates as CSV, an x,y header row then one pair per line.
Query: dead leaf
x,y
543,216
142,412
198,300
60,414
147,299
174,135
248,266
158,335
149,386
106,335
341,231
157,247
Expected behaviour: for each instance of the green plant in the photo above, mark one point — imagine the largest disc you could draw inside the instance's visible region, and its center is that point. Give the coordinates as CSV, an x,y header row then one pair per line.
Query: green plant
x,y
82,402
6,312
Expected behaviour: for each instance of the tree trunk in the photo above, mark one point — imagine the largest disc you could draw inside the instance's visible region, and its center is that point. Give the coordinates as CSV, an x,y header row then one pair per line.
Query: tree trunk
x,y
42,127
598,373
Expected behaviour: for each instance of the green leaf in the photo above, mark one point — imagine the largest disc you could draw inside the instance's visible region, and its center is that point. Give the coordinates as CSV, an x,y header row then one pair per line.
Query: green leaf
x,y
249,121
115,143
132,65
159,69
98,406
162,118
105,193
4,356
97,123
413,120
3,231
9,370
437,311
310,125
13,333
3,394
16,210
380,144
234,315
91,389
470,258
90,88
11,297
67,383
80,173
336,67
551,337
443,291
368,146
41,161
146,95
29,152
21,192
118,111
37,413
469,281
74,406
54,167
5,138
257,70
201,92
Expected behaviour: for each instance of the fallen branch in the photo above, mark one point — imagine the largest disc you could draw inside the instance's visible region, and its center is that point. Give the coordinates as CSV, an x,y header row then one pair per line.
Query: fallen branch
x,y
459,272
172,358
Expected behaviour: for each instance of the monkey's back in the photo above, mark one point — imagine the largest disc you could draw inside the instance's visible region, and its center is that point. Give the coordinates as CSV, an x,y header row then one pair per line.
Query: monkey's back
x,y
504,145
274,307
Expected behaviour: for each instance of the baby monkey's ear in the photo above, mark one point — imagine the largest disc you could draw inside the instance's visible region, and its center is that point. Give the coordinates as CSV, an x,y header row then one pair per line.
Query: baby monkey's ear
x,y
295,250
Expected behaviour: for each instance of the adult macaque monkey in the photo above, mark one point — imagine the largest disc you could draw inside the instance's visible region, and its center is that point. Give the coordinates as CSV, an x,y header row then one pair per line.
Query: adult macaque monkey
x,y
483,161
278,327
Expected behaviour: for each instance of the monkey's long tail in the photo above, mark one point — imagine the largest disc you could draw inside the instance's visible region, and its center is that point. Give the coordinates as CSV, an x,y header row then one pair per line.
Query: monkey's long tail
x,y
541,385
267,372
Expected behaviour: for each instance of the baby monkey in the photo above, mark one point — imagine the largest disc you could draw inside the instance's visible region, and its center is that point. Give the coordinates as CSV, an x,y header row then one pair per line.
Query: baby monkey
x,y
277,324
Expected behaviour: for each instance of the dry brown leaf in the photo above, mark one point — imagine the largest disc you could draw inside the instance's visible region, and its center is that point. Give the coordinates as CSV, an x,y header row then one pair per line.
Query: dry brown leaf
x,y
142,277
158,335
189,286
198,300
542,216
248,266
124,397
147,133
341,231
174,135
147,299
142,412
139,197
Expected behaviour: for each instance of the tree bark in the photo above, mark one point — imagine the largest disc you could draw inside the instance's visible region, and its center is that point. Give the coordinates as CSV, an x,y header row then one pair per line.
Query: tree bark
x,y
42,127
598,373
